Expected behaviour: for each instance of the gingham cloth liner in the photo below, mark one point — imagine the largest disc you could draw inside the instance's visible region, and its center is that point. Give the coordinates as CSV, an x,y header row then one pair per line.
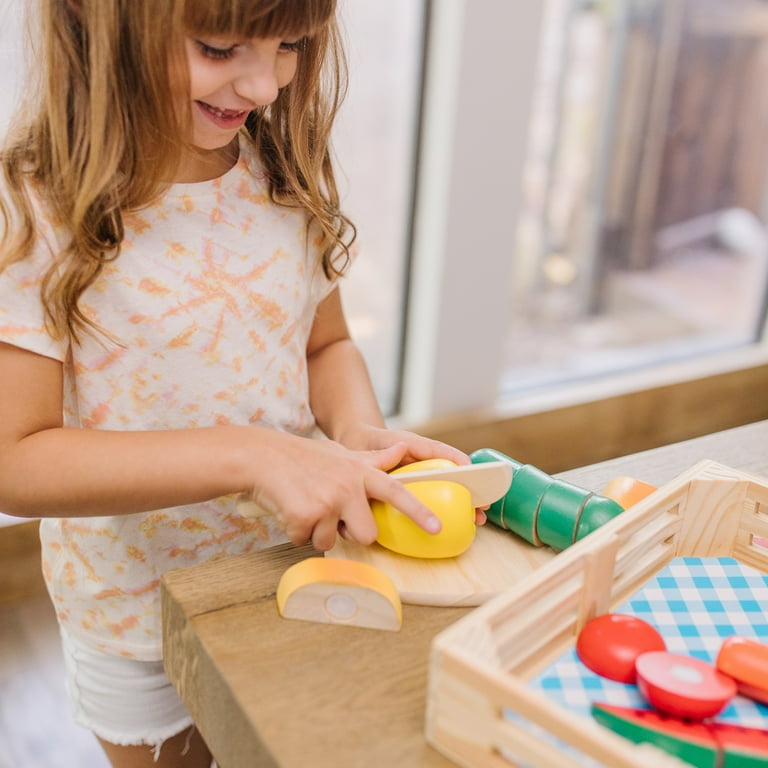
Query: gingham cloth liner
x,y
695,603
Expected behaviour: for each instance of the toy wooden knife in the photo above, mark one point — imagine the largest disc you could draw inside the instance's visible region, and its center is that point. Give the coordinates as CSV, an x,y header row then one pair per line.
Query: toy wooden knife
x,y
486,482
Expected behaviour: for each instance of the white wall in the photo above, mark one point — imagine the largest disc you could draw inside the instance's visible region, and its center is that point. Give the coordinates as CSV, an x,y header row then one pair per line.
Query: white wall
x,y
12,57
480,83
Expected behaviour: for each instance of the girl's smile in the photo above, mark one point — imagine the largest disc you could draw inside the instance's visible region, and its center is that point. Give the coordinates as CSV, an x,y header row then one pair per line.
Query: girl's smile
x,y
227,80
226,119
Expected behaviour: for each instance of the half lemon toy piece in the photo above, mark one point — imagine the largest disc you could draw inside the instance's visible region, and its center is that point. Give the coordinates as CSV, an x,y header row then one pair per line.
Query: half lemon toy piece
x,y
334,591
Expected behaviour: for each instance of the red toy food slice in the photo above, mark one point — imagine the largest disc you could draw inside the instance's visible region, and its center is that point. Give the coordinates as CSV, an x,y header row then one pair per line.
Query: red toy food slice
x,y
682,685
746,661
610,644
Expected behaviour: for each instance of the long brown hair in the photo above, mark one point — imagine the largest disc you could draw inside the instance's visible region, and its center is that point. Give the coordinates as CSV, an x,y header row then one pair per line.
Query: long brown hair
x,y
105,134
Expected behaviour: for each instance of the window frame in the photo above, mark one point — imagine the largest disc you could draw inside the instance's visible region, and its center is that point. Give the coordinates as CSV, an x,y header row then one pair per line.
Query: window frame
x,y
457,312
470,169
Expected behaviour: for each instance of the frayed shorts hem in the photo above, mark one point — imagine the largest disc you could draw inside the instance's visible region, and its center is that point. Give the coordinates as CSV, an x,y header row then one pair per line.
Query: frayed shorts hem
x,y
154,740
122,701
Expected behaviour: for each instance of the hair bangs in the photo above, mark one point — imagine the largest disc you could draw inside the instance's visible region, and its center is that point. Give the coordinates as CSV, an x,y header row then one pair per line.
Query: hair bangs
x,y
258,18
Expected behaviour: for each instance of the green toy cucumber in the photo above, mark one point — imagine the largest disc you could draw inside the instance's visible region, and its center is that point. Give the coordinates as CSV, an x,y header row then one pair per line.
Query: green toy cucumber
x,y
545,510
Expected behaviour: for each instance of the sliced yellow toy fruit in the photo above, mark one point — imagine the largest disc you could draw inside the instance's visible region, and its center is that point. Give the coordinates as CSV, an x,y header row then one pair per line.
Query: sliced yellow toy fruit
x,y
449,501
334,591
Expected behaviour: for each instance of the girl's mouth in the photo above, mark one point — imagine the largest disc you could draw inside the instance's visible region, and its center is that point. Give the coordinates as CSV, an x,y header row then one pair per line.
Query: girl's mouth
x,y
223,118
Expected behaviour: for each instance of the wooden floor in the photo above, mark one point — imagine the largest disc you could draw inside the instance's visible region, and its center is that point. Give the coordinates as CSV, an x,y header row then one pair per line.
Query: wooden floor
x,y
36,727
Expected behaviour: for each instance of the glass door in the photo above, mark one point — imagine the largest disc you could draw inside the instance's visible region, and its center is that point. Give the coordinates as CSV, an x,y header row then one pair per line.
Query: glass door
x,y
641,236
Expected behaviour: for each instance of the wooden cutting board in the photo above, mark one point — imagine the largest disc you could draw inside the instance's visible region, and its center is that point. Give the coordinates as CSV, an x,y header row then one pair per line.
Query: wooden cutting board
x,y
496,560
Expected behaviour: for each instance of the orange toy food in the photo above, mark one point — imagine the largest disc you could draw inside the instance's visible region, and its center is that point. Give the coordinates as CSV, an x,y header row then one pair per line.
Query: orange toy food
x,y
627,491
746,661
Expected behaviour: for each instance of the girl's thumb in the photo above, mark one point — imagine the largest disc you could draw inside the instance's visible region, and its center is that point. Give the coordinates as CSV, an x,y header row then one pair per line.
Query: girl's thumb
x,y
388,458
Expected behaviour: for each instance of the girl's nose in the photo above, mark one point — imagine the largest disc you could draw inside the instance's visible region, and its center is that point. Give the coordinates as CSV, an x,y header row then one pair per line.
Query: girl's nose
x,y
258,84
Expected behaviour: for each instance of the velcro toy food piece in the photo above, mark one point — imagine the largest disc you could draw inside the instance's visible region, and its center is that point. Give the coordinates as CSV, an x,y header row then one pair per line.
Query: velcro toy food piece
x,y
334,591
484,455
520,507
690,741
704,745
596,512
682,685
627,491
545,510
746,661
610,644
450,502
560,510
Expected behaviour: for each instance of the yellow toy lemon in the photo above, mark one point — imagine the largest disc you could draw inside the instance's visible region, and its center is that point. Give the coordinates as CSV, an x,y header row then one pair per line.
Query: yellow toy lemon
x,y
449,501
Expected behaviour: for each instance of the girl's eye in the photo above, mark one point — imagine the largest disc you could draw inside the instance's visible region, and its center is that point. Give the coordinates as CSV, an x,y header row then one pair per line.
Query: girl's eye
x,y
211,52
294,47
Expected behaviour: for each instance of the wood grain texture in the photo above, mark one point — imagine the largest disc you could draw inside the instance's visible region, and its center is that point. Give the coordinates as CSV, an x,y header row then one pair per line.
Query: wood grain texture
x,y
495,560
268,691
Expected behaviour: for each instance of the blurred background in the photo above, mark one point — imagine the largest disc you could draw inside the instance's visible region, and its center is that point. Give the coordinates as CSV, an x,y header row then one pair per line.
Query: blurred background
x,y
549,198
553,198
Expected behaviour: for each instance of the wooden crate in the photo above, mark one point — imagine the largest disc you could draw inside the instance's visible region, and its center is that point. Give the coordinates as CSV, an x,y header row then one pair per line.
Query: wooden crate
x,y
479,667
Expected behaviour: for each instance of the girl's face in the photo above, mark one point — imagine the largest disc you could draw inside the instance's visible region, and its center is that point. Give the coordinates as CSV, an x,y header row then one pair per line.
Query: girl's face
x,y
229,78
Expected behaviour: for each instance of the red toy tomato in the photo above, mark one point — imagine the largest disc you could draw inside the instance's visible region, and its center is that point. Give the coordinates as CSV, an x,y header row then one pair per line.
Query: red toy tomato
x,y
683,686
610,644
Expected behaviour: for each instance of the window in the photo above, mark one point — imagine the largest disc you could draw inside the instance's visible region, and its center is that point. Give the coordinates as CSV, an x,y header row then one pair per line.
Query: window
x,y
591,197
640,238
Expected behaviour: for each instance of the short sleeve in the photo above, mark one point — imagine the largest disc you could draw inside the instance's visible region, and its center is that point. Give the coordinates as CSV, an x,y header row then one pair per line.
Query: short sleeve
x,y
22,316
323,286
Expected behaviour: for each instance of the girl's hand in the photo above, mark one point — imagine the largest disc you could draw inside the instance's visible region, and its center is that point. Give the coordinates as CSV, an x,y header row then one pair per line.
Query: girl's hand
x,y
316,488
417,448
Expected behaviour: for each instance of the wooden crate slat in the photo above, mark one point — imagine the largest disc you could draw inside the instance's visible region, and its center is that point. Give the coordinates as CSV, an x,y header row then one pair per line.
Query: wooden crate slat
x,y
709,511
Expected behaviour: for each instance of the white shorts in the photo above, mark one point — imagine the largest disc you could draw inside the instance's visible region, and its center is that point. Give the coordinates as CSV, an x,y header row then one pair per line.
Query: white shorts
x,y
123,701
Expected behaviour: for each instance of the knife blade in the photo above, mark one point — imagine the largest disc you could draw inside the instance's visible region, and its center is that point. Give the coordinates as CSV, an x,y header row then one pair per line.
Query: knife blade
x,y
486,482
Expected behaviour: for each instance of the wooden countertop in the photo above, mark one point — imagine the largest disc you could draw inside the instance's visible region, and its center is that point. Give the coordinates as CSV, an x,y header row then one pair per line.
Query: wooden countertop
x,y
270,692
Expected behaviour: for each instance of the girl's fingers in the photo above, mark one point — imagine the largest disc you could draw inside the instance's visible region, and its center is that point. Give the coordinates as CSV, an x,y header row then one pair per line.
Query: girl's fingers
x,y
387,458
359,526
346,511
420,448
380,486
324,534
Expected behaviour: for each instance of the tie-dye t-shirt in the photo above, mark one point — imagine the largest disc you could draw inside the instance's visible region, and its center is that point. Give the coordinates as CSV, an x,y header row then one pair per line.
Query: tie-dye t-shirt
x,y
208,310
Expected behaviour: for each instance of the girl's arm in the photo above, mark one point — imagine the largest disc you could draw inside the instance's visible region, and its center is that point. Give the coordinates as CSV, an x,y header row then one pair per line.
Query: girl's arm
x,y
309,485
342,397
343,400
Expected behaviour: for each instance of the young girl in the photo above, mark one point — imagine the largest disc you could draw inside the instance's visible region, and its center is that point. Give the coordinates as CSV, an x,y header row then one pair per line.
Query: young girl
x,y
171,333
